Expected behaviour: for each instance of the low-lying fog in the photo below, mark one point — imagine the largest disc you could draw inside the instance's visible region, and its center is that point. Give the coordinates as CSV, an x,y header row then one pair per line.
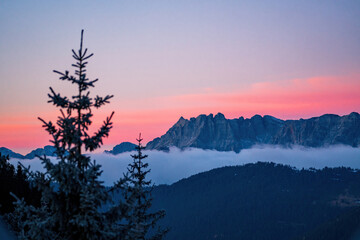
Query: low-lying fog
x,y
169,167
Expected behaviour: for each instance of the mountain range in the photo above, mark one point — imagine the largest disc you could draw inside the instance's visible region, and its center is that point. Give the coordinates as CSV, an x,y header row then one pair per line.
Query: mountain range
x,y
47,150
221,134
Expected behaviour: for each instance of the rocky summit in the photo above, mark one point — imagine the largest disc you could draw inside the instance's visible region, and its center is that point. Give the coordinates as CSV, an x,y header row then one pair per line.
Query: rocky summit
x,y
218,133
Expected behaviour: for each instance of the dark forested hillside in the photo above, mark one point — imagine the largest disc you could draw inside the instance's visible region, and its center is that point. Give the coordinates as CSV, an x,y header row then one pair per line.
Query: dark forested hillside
x,y
260,201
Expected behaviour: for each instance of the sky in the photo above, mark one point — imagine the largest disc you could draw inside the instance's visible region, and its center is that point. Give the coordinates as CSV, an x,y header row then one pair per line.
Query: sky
x,y
166,59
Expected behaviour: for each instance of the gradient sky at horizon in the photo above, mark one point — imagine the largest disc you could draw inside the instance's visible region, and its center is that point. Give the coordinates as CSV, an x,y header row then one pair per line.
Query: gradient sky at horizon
x,y
166,59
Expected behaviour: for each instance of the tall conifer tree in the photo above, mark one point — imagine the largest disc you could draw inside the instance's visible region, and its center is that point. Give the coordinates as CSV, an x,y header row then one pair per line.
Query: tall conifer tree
x,y
72,193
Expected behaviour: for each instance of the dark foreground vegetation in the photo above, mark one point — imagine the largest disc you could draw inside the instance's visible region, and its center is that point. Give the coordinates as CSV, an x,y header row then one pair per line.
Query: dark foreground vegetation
x,y
66,200
14,180
262,201
254,201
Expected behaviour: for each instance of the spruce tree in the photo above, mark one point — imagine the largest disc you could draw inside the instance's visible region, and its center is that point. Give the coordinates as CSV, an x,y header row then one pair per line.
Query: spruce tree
x,y
137,197
72,194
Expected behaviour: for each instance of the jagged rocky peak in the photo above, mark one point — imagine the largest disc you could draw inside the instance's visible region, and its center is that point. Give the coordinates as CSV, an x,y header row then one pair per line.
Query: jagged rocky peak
x,y
218,133
353,115
219,116
215,132
256,117
182,121
200,118
273,118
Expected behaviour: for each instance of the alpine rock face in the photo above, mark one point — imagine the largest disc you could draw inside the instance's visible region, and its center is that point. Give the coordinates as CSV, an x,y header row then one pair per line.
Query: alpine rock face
x,y
218,133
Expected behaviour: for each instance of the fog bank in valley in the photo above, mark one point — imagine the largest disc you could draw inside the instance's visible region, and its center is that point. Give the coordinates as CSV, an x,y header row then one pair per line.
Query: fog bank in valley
x,y
169,167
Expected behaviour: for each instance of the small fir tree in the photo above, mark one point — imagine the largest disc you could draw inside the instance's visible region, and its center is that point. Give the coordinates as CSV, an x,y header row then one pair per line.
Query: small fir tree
x,y
72,194
137,197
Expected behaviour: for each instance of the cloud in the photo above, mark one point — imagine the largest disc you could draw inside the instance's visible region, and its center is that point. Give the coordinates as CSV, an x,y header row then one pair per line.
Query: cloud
x,y
167,168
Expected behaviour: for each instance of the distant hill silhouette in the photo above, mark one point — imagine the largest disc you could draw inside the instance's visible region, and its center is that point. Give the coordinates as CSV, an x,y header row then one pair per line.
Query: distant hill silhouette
x,y
122,147
7,152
